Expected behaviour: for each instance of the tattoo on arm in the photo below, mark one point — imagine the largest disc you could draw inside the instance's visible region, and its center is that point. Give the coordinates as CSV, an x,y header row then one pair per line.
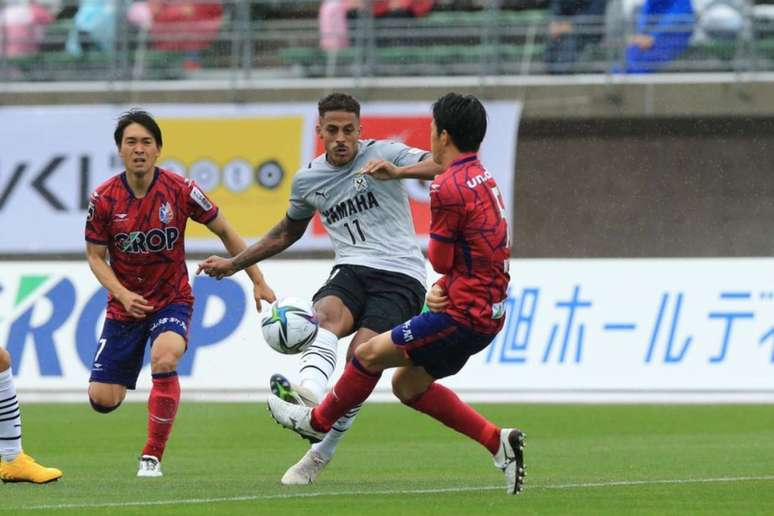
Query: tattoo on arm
x,y
279,238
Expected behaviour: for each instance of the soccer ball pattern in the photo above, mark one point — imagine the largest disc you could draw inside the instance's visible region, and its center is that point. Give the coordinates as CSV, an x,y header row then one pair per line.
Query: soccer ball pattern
x,y
289,326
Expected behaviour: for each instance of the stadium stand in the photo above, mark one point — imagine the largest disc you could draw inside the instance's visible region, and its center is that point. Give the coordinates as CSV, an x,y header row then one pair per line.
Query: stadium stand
x,y
458,37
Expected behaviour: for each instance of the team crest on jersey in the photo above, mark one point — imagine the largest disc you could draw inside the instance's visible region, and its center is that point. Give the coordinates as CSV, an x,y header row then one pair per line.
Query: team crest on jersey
x,y
360,183
165,213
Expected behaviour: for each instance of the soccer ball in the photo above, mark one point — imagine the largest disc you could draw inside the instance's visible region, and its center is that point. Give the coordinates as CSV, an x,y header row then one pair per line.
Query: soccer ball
x,y
289,326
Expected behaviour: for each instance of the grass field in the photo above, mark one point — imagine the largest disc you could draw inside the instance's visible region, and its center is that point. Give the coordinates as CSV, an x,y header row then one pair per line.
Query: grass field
x,y
582,459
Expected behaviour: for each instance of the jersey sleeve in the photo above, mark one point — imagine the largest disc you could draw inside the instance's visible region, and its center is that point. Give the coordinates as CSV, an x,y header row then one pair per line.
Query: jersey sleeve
x,y
299,208
200,207
97,220
447,209
401,154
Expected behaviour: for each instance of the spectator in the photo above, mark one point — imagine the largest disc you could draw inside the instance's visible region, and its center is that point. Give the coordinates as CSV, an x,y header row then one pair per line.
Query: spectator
x,y
22,28
575,25
663,31
94,25
185,25
334,34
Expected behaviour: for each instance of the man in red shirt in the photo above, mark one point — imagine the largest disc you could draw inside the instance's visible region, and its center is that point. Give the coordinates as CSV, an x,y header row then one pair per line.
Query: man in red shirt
x,y
138,218
470,246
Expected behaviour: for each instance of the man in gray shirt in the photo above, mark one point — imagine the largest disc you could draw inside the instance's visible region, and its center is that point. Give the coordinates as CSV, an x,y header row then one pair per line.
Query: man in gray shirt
x,y
378,278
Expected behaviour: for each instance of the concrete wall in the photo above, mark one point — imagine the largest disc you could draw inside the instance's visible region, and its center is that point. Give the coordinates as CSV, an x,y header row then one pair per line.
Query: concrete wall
x,y
647,187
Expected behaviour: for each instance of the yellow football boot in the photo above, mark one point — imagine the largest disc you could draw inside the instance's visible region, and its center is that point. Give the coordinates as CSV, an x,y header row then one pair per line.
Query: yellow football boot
x,y
24,469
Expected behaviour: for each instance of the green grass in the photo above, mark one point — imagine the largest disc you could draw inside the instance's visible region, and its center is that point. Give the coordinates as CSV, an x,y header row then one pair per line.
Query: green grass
x,y
582,459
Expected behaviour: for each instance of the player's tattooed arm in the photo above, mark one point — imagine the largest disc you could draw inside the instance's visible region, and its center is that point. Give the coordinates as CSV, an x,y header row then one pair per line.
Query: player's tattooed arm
x,y
234,244
279,238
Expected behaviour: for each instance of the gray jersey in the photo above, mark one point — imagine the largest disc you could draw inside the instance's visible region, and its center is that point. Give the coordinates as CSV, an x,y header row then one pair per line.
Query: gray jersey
x,y
368,220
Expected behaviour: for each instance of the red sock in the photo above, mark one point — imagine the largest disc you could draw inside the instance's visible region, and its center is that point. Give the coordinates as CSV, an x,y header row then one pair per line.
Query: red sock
x,y
354,387
444,405
162,408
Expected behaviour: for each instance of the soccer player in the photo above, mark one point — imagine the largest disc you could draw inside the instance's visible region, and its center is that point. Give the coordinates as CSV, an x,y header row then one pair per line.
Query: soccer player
x,y
15,465
138,218
378,279
470,246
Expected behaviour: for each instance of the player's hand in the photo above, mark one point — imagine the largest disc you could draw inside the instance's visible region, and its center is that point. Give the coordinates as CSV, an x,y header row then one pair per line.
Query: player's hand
x,y
380,169
216,267
135,305
262,291
436,299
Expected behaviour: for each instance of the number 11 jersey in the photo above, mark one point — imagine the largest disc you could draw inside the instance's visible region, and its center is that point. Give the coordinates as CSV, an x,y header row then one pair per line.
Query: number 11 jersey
x,y
368,220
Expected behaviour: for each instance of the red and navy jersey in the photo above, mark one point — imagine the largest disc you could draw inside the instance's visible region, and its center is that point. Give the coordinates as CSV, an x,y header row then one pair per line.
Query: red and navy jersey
x,y
144,236
468,211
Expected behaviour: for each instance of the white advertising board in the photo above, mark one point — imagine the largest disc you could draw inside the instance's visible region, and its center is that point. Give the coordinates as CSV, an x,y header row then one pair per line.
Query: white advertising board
x,y
243,156
588,330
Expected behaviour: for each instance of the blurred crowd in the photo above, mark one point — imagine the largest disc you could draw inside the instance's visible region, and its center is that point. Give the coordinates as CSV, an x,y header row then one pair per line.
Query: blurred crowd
x,y
168,25
655,31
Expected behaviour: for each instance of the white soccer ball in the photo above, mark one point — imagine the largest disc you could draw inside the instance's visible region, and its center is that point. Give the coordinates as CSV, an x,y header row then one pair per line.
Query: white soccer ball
x,y
289,326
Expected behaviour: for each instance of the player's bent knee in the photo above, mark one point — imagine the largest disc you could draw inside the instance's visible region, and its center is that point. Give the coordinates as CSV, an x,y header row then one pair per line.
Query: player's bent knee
x,y
103,409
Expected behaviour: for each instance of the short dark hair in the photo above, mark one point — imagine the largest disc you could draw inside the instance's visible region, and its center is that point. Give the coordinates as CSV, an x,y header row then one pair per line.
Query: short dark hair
x,y
137,116
463,117
338,102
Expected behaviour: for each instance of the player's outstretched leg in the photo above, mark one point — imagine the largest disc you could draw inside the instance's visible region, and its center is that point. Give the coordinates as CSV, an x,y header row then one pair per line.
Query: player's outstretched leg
x,y
15,465
294,417
510,459
308,469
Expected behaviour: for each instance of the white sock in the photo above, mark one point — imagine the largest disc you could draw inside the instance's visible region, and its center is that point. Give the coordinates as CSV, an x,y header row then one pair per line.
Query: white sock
x,y
318,362
327,447
10,418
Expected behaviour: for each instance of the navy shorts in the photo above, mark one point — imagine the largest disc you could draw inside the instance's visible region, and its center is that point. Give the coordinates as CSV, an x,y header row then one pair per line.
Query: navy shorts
x,y
438,343
377,299
121,346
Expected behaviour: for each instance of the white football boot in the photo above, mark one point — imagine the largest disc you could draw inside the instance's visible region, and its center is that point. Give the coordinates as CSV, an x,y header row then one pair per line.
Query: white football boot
x,y
510,459
150,466
306,470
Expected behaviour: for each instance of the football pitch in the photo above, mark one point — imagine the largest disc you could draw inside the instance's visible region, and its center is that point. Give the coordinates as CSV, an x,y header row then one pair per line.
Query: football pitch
x,y
582,459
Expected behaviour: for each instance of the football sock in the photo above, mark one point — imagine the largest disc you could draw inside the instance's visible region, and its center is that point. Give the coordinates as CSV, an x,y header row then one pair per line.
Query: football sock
x,y
318,362
444,405
162,408
353,388
10,418
327,447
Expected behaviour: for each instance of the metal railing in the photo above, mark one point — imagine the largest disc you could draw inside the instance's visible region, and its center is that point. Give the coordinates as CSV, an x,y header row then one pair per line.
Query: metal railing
x,y
272,38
